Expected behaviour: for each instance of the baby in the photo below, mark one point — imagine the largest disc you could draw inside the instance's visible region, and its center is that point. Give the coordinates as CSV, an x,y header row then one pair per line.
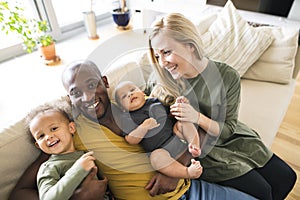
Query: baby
x,y
146,122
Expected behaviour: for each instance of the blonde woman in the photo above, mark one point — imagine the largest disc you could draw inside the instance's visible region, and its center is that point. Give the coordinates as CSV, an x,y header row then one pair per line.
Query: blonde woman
x,y
234,154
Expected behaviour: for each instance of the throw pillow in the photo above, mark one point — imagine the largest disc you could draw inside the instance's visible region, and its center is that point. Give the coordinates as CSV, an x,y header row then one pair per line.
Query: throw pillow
x,y
205,21
277,63
230,39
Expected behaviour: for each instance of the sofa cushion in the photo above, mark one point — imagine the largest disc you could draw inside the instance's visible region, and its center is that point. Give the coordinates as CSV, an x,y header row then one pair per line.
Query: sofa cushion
x,y
127,68
232,40
263,106
17,152
276,64
205,22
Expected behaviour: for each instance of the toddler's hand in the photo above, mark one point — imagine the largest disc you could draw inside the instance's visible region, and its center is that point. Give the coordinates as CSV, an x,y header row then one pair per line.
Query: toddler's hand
x,y
87,161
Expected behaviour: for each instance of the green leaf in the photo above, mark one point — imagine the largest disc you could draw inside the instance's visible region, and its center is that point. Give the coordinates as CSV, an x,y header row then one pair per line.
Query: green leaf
x,y
30,30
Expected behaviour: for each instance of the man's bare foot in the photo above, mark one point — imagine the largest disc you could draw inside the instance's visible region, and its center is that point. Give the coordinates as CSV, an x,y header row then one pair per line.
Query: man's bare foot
x,y
195,151
195,169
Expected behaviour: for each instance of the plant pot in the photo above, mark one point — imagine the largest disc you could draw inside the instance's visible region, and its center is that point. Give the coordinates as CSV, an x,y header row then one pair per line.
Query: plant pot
x,y
121,18
48,52
89,19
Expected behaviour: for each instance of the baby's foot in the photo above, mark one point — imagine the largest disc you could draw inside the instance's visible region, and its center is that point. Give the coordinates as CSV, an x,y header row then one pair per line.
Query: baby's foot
x,y
194,170
195,151
182,99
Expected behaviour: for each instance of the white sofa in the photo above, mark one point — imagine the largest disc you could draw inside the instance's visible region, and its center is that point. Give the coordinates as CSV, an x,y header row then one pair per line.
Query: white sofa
x,y
265,96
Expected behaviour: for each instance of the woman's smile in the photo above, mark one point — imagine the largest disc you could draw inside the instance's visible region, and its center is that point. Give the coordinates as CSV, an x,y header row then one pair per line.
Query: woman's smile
x,y
171,68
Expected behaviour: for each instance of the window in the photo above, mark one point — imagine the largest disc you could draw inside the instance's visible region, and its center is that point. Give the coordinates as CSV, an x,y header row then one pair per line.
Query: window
x,y
74,13
11,40
64,16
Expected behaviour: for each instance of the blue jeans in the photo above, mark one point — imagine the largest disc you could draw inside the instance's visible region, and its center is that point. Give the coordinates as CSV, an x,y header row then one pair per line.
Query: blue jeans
x,y
202,190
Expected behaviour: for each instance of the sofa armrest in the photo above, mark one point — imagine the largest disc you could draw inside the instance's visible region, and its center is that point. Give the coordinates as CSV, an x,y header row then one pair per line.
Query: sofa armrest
x,y
17,152
297,63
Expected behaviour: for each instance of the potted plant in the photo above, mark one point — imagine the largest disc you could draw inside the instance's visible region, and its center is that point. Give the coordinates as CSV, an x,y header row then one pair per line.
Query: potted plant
x,y
32,32
45,42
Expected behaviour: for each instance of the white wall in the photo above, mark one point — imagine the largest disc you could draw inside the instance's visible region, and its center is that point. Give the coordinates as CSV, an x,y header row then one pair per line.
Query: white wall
x,y
295,11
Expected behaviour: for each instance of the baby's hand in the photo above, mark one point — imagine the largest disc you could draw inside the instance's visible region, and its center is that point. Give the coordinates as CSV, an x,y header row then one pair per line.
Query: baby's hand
x,y
150,123
87,161
182,99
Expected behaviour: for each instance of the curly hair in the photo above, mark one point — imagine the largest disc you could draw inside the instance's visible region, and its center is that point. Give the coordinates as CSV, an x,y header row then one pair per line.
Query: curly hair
x,y
61,105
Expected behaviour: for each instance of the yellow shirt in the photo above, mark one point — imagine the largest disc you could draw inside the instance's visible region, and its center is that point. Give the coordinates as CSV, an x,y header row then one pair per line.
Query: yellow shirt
x,y
126,166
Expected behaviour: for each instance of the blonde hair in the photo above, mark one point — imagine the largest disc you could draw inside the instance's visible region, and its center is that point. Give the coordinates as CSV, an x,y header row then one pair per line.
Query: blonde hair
x,y
182,30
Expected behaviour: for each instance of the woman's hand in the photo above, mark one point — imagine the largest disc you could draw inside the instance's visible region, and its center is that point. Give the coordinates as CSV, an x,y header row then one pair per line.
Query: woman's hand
x,y
161,184
184,112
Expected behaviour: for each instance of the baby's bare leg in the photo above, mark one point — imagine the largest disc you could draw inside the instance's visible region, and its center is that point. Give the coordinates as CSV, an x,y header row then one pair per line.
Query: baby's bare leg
x,y
165,164
188,132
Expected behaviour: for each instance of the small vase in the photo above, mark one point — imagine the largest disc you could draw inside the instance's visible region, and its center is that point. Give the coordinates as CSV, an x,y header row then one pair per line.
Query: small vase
x,y
121,18
90,24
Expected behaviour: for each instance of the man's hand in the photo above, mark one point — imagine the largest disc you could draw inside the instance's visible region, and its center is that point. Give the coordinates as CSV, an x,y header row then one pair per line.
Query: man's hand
x,y
91,188
161,184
